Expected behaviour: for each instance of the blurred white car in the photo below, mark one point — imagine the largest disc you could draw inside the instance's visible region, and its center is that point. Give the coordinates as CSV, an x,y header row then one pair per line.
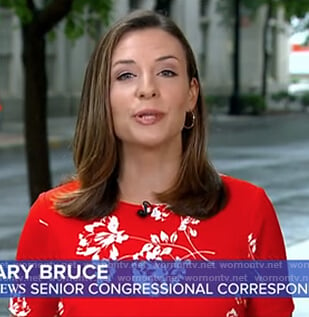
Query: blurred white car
x,y
300,88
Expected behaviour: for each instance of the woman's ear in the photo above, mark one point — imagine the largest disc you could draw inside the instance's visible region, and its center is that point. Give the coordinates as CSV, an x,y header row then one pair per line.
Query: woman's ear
x,y
193,94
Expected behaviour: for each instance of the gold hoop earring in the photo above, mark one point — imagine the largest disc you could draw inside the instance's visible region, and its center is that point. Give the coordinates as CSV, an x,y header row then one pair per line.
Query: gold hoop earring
x,y
190,117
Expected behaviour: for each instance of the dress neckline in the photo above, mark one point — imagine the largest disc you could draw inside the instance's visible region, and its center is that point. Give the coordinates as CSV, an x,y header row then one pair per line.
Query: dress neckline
x,y
136,205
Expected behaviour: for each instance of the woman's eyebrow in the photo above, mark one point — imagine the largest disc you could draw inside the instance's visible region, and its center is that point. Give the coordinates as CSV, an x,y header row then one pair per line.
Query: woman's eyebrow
x,y
131,61
164,57
124,61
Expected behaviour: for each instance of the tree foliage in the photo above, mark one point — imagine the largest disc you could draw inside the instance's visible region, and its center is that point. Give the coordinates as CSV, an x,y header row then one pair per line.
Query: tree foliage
x,y
82,17
85,16
292,8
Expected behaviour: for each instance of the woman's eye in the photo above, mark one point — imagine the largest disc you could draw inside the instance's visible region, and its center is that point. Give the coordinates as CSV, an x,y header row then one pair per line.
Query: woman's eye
x,y
167,73
125,76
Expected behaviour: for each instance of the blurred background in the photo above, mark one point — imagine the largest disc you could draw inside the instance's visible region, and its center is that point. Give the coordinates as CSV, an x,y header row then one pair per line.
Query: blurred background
x,y
253,58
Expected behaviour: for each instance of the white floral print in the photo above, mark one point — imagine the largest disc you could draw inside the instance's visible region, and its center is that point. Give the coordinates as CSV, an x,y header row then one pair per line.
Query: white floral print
x,y
232,313
152,252
241,301
185,222
101,240
60,308
251,246
159,212
155,249
19,307
98,239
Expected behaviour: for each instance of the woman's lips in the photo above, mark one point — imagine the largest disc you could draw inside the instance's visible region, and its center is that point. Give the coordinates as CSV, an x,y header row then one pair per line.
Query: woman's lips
x,y
148,117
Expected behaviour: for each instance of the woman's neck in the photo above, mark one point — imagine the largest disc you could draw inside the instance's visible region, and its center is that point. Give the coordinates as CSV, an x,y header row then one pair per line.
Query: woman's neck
x,y
144,172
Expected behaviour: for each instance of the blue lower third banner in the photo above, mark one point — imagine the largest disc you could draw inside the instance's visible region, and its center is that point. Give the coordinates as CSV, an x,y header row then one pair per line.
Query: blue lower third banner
x,y
154,278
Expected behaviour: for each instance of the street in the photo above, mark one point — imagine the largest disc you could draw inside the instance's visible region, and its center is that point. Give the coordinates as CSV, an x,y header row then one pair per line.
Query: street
x,y
271,151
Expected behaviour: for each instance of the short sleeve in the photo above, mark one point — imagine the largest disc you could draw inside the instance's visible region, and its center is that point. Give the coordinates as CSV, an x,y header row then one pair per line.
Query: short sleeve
x,y
35,244
265,242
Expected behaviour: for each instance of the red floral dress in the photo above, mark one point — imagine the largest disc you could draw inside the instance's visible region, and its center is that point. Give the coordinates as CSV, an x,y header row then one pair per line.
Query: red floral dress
x,y
247,228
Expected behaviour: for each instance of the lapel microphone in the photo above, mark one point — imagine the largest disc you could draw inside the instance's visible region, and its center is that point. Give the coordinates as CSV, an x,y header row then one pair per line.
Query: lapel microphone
x,y
144,212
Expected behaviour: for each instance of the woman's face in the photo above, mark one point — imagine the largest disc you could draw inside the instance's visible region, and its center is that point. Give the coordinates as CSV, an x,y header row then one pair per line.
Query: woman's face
x,y
150,90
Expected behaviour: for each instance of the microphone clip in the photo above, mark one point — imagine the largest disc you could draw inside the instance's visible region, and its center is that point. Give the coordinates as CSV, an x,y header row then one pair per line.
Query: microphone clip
x,y
145,211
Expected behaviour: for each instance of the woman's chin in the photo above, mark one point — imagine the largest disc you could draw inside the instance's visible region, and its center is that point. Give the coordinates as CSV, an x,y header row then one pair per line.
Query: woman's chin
x,y
149,143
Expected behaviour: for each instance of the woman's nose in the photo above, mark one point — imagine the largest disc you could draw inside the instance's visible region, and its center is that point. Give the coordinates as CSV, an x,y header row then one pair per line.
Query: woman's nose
x,y
147,88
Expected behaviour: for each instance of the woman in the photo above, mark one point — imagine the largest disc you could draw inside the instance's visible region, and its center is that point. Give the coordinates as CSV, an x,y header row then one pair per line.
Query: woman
x,y
144,188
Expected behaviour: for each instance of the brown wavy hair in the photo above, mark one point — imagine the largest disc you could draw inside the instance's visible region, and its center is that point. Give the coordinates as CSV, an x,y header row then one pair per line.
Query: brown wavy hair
x,y
198,190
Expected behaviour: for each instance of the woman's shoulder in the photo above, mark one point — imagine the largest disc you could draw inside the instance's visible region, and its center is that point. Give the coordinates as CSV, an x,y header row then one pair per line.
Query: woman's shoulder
x,y
243,193
44,204
237,183
62,189
240,186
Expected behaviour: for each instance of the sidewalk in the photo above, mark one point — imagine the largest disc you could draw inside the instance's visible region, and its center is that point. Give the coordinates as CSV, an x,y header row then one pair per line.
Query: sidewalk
x,y
60,132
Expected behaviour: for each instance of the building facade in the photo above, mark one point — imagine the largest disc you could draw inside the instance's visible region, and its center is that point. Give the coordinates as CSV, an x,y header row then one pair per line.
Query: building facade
x,y
200,20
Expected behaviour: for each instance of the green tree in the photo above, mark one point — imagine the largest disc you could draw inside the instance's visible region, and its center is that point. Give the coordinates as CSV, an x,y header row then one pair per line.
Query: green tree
x,y
36,22
299,8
